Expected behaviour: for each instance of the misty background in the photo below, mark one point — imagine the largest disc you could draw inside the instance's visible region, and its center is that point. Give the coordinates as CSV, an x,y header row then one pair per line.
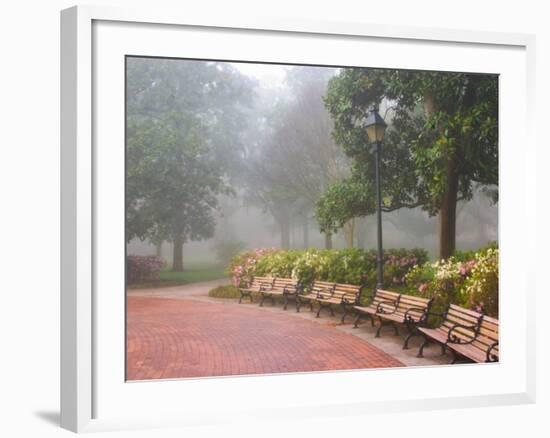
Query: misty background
x,y
268,137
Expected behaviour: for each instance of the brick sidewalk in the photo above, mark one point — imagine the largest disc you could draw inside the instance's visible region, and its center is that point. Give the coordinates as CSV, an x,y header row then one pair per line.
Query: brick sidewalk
x,y
176,338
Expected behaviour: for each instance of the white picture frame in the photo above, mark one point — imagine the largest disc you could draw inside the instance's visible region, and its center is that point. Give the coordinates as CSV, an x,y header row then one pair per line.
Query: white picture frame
x,y
91,394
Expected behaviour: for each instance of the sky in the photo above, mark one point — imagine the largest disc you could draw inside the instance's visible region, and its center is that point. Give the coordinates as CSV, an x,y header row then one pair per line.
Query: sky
x,y
269,75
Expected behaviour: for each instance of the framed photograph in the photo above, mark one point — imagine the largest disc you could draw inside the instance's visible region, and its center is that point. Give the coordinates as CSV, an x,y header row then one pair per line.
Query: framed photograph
x,y
257,209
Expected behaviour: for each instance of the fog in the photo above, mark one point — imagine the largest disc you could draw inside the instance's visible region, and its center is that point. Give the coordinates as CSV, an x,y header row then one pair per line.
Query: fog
x,y
477,225
269,137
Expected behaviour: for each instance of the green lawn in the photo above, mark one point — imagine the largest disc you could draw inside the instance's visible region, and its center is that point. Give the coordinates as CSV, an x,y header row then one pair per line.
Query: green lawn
x,y
194,273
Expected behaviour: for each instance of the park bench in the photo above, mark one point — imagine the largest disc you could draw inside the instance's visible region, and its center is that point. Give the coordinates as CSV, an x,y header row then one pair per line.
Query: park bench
x,y
327,294
382,299
257,285
391,308
465,333
285,287
483,348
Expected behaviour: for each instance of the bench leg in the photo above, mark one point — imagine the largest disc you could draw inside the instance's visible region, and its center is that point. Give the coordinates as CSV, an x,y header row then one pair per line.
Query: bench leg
x,y
285,296
421,350
455,358
298,304
321,307
406,344
381,324
249,295
357,320
262,300
377,335
318,311
343,320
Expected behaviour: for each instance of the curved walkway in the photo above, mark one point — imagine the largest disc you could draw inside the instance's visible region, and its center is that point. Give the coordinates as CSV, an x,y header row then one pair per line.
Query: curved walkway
x,y
179,336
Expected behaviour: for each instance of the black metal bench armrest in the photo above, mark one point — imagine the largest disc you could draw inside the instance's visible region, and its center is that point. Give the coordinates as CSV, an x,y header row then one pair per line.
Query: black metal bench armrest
x,y
421,310
264,287
454,339
290,290
380,309
492,357
354,301
325,293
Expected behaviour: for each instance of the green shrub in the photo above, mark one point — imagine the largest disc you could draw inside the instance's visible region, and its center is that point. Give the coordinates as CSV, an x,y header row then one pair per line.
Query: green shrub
x,y
277,263
353,266
229,291
143,268
469,282
242,267
481,288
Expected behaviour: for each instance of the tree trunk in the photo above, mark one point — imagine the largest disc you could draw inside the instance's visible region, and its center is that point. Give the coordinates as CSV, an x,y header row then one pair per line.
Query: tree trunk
x,y
285,235
177,260
349,229
447,215
158,249
447,211
361,234
328,240
306,235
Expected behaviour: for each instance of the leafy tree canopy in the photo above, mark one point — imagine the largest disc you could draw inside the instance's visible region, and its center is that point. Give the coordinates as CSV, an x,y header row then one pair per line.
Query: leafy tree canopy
x,y
184,120
442,140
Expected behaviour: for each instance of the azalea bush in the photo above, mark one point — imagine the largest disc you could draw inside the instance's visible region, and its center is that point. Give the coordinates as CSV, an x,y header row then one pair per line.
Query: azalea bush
x,y
142,268
468,279
481,287
242,267
353,266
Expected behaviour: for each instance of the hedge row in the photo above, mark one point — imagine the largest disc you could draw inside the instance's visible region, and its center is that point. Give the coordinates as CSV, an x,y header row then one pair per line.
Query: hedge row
x,y
353,266
469,279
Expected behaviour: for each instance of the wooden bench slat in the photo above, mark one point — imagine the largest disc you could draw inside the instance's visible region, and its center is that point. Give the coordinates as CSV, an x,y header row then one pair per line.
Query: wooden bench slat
x,y
463,310
463,316
457,320
478,340
412,300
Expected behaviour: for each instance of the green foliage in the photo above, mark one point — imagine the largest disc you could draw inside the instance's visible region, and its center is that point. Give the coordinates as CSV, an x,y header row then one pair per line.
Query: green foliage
x,y
470,280
242,267
352,266
481,288
195,273
172,180
464,256
182,132
341,202
277,263
229,291
442,138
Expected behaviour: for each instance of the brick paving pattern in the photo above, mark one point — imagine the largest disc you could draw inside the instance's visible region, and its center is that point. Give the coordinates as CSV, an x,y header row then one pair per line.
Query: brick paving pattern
x,y
175,338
